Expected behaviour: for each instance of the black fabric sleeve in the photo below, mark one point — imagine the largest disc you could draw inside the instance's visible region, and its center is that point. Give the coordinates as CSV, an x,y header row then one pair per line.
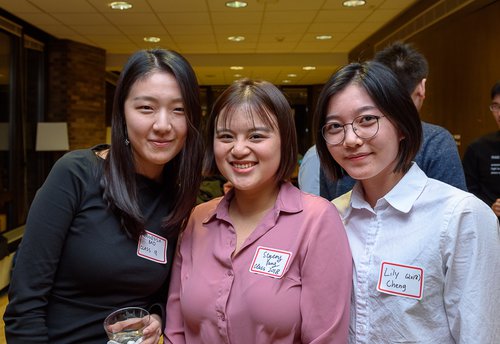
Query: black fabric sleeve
x,y
49,218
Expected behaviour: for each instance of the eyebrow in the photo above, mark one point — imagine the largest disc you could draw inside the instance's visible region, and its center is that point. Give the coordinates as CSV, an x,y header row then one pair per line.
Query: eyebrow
x,y
265,129
357,112
175,100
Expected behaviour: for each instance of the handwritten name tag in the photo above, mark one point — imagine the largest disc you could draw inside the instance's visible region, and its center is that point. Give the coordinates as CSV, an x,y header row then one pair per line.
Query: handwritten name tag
x,y
270,262
401,280
153,247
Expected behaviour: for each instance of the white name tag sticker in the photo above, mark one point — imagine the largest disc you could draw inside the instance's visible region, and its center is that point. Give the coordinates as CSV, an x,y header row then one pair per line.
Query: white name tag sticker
x,y
270,262
401,280
153,247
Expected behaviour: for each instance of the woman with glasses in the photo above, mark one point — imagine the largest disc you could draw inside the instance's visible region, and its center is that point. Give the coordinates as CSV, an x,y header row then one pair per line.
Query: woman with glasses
x,y
426,254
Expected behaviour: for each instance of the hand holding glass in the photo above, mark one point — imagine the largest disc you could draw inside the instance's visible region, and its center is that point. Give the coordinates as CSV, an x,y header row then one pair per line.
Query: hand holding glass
x,y
125,325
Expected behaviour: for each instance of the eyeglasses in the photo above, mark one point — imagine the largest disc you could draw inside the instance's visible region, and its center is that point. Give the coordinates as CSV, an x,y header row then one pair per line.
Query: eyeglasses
x,y
495,107
365,127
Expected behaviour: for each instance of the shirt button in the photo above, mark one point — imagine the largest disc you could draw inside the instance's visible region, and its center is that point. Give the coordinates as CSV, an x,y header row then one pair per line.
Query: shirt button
x,y
221,316
230,273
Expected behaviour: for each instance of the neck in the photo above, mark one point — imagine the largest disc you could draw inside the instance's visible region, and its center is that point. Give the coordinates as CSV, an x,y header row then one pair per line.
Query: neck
x,y
250,203
379,186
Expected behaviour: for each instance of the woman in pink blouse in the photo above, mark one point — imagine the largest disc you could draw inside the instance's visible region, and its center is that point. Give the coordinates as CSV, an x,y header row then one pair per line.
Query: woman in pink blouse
x,y
266,263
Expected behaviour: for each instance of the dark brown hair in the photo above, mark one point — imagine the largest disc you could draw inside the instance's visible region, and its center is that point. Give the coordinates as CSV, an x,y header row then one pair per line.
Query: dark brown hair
x,y
262,99
390,97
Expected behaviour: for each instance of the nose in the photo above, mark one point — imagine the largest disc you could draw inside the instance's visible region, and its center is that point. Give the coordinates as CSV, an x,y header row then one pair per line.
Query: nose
x,y
350,137
239,148
163,121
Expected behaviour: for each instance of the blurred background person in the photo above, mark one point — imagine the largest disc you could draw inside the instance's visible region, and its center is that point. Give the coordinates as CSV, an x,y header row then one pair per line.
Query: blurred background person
x,y
482,160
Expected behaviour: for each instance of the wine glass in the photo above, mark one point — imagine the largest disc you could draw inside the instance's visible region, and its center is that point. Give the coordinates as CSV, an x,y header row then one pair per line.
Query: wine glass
x,y
125,325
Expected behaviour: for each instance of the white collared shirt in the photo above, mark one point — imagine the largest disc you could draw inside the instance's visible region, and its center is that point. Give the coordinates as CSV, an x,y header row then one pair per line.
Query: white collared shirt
x,y
452,236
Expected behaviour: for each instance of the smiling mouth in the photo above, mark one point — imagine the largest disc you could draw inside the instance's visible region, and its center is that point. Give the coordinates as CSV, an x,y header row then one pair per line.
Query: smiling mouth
x,y
243,166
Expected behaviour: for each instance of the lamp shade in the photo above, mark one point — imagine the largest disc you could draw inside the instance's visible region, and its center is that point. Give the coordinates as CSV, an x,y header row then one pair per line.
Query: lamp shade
x,y
52,136
108,135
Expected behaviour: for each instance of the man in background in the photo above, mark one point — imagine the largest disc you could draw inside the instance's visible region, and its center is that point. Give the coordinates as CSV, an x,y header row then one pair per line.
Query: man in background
x,y
482,160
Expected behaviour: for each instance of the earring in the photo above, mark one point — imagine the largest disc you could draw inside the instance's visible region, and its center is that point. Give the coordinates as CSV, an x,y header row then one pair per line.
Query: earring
x,y
127,142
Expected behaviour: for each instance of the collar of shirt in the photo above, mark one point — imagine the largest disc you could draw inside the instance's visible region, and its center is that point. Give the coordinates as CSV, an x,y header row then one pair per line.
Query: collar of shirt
x,y
402,196
289,201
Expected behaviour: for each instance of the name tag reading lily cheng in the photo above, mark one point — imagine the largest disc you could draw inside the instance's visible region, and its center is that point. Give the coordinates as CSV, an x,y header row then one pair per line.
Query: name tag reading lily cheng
x,y
153,247
401,280
270,262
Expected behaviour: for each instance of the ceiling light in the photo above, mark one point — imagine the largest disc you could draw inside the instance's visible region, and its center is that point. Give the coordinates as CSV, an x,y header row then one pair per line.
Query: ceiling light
x,y
236,38
237,75
120,5
354,3
323,37
292,75
236,67
286,81
152,39
236,4
309,68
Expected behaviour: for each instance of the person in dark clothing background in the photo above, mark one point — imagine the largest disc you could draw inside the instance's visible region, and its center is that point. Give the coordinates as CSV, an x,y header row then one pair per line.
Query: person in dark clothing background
x,y
101,231
482,160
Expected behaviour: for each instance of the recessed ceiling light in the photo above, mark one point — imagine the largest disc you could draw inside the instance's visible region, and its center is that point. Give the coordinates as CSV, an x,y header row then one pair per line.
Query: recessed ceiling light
x,y
152,39
236,38
323,37
237,75
354,3
236,67
236,4
120,5
286,81
292,75
309,68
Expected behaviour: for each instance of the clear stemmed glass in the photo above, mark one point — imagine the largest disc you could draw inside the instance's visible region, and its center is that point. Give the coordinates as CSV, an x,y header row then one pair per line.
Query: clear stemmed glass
x,y
125,325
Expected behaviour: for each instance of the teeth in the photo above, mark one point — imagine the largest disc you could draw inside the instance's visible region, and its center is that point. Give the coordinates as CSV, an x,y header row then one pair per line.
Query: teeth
x,y
242,166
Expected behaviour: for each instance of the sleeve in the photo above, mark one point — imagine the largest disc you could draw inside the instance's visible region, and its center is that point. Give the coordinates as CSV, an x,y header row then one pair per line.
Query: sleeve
x,y
471,291
326,281
49,218
309,172
471,169
440,159
174,326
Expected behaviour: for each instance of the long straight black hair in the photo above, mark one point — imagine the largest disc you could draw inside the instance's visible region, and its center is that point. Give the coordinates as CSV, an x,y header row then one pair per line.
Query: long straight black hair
x,y
119,177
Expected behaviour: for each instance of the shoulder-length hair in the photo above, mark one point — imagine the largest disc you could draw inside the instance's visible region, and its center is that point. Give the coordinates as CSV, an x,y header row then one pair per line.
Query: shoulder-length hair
x,y
262,99
392,100
119,178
